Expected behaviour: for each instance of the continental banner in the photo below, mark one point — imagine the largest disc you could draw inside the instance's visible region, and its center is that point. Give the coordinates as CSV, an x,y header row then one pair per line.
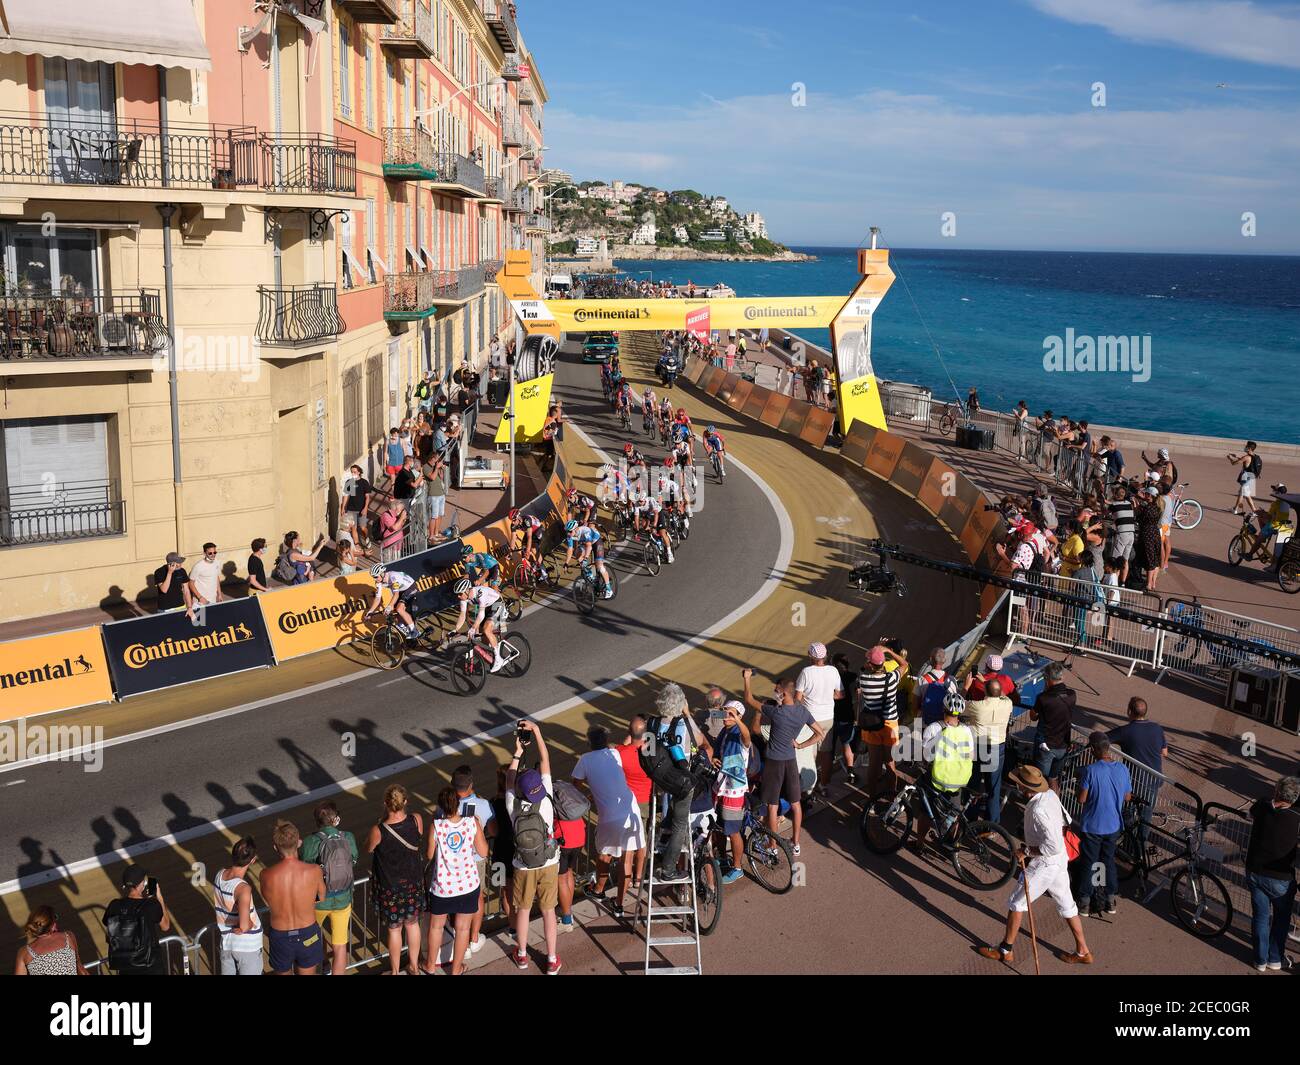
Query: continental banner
x,y
163,650
55,672
312,617
859,393
531,399
436,572
789,312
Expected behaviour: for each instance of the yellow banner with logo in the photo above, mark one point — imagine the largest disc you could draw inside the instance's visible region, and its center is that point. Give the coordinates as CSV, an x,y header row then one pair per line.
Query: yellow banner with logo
x,y
530,400
790,312
321,614
859,392
55,672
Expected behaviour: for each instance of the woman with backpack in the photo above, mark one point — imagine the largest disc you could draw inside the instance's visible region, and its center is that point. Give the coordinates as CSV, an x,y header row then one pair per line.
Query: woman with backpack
x,y
335,851
398,870
293,565
453,846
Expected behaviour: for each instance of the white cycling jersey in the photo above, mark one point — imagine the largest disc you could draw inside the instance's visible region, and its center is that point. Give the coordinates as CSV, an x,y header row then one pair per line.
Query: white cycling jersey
x,y
396,580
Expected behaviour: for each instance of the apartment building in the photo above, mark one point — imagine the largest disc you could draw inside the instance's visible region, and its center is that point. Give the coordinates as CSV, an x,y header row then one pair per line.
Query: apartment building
x,y
228,252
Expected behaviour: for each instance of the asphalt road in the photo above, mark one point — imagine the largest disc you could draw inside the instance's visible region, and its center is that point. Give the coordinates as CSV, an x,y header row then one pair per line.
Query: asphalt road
x,y
182,781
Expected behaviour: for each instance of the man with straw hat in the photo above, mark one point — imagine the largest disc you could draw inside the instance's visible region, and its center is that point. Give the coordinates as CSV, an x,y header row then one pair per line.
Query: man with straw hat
x,y
1046,870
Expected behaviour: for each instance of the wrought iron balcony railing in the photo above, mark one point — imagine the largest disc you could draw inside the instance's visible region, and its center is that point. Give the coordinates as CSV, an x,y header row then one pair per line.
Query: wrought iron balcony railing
x,y
500,18
460,171
408,153
63,510
520,199
538,222
411,36
491,268
83,324
512,131
298,314
419,294
138,154
375,11
512,71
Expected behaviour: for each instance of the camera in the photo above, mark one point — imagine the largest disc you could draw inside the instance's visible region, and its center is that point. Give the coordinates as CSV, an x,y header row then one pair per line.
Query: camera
x,y
150,888
524,735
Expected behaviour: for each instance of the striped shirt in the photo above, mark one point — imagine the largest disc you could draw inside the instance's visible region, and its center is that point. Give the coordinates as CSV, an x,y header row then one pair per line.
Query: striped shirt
x,y
878,695
1121,513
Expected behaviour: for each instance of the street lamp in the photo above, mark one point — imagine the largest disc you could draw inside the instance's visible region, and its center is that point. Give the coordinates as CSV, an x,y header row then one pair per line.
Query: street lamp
x,y
491,83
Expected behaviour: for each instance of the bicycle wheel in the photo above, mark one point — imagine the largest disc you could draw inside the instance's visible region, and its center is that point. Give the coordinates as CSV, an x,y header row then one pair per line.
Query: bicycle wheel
x,y
514,605
708,893
387,647
1288,577
1237,550
524,582
717,467
1188,515
983,856
946,424
650,556
885,824
1126,856
771,860
683,529
584,595
1200,902
468,671
518,652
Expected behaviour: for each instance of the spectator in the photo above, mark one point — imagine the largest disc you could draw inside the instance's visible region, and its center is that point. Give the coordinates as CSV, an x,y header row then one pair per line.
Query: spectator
x,y
394,840
878,718
436,495
619,831
205,577
503,847
948,753
49,951
172,584
392,531
786,717
818,686
1251,468
629,753
1104,788
732,746
988,717
571,836
407,481
470,802
1047,870
677,735
294,565
456,845
1054,712
934,671
292,890
1124,522
1144,742
537,857
354,513
1149,546
133,925
990,669
394,453
1044,509
1270,872
256,567
845,738
347,557
1071,548
238,922
335,851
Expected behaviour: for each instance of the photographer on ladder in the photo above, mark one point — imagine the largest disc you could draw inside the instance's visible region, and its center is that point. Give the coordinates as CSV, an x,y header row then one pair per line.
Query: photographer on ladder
x,y
671,738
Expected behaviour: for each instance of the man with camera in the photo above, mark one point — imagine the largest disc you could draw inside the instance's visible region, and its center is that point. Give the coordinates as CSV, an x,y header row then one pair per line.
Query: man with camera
x,y
537,854
670,739
133,925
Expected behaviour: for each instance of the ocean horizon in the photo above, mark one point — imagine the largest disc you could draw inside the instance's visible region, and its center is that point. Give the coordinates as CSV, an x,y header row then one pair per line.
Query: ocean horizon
x,y
1222,331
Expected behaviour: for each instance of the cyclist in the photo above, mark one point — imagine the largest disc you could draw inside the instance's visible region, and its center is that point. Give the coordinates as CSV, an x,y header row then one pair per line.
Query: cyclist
x,y
633,457
648,408
655,518
948,747
581,506
606,381
528,529
402,588
612,481
480,566
623,400
665,417
681,428
587,540
681,458
714,444
490,611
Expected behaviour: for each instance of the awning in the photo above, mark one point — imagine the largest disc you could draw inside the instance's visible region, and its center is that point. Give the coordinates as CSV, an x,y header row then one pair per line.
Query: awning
x,y
428,257
157,33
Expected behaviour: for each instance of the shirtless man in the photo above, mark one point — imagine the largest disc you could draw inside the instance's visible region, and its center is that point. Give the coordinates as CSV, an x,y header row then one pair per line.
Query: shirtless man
x,y
292,888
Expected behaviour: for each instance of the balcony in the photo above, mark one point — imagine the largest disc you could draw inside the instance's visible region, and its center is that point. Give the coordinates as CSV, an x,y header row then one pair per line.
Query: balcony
x,y
49,329
290,315
526,97
382,12
408,154
519,200
495,190
459,175
411,36
512,71
500,18
66,510
490,269
139,155
415,295
538,223
512,131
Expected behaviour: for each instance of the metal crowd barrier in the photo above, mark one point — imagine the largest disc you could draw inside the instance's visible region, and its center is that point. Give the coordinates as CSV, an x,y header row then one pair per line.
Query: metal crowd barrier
x,y
1224,847
176,948
1192,657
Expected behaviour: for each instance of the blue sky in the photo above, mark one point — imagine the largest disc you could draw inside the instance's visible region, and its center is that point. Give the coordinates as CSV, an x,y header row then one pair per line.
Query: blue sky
x,y
912,110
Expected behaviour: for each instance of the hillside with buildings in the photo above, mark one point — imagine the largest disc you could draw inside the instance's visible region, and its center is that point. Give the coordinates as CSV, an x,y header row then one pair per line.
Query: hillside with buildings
x,y
641,221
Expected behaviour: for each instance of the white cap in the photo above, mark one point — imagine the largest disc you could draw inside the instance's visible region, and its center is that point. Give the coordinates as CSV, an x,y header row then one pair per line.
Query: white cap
x,y
1163,453
816,650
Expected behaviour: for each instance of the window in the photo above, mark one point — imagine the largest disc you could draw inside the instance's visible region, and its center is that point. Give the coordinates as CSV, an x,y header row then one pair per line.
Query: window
x,y
368,89
351,271
81,99
45,498
354,444
390,96
376,398
373,262
66,265
345,73
390,231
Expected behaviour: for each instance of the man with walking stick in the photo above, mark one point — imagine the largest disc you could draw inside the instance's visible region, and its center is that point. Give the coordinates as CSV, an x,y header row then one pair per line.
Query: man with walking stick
x,y
1045,864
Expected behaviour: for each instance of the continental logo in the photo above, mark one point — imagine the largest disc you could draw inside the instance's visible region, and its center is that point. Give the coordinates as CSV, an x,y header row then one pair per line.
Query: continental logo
x,y
600,314
139,655
908,466
751,312
291,621
46,671
886,447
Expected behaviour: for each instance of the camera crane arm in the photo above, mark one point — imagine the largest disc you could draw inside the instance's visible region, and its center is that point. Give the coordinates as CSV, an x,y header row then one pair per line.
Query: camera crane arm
x,y
1289,659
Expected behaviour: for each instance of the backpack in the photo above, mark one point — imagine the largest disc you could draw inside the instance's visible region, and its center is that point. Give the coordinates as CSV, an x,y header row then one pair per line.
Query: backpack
x,y
1256,465
666,774
284,569
131,941
570,802
335,860
931,705
534,843
422,390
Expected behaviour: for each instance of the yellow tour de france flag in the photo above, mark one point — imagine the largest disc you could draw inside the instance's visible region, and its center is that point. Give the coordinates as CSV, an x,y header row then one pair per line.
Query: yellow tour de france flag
x,y
531,399
859,391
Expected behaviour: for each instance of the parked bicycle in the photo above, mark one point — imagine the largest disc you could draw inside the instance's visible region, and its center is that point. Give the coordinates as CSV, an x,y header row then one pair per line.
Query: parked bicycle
x,y
950,417
1199,899
770,857
1187,511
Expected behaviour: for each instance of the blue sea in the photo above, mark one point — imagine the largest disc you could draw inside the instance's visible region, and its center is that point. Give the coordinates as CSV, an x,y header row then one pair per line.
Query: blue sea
x,y
1225,329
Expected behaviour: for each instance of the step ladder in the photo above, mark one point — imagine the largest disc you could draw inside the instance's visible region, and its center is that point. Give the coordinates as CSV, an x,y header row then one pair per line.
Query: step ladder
x,y
659,916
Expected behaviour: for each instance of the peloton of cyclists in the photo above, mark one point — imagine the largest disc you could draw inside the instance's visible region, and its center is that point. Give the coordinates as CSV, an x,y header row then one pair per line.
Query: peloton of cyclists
x,y
401,587
586,539
490,611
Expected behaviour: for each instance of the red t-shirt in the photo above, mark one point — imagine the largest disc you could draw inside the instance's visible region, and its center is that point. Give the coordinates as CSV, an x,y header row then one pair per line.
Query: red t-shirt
x,y
571,834
630,754
977,686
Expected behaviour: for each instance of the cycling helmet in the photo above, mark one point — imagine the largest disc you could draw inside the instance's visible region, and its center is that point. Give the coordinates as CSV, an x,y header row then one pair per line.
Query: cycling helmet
x,y
627,449
570,526
513,515
954,703
377,571
463,586
466,550
681,414
573,495
648,391
710,429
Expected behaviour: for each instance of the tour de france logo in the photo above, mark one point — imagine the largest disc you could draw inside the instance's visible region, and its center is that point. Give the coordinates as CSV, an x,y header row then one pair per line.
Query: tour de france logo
x,y
456,840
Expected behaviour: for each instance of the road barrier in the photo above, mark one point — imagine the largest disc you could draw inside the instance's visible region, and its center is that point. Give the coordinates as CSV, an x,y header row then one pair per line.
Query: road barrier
x,y
54,672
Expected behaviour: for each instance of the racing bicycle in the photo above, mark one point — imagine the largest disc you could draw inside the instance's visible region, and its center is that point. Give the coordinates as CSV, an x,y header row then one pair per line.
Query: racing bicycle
x,y
588,587
389,645
535,573
472,658
715,457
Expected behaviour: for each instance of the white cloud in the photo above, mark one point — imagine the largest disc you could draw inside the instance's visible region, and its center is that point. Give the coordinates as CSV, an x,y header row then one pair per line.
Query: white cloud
x,y
1176,180
1233,29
